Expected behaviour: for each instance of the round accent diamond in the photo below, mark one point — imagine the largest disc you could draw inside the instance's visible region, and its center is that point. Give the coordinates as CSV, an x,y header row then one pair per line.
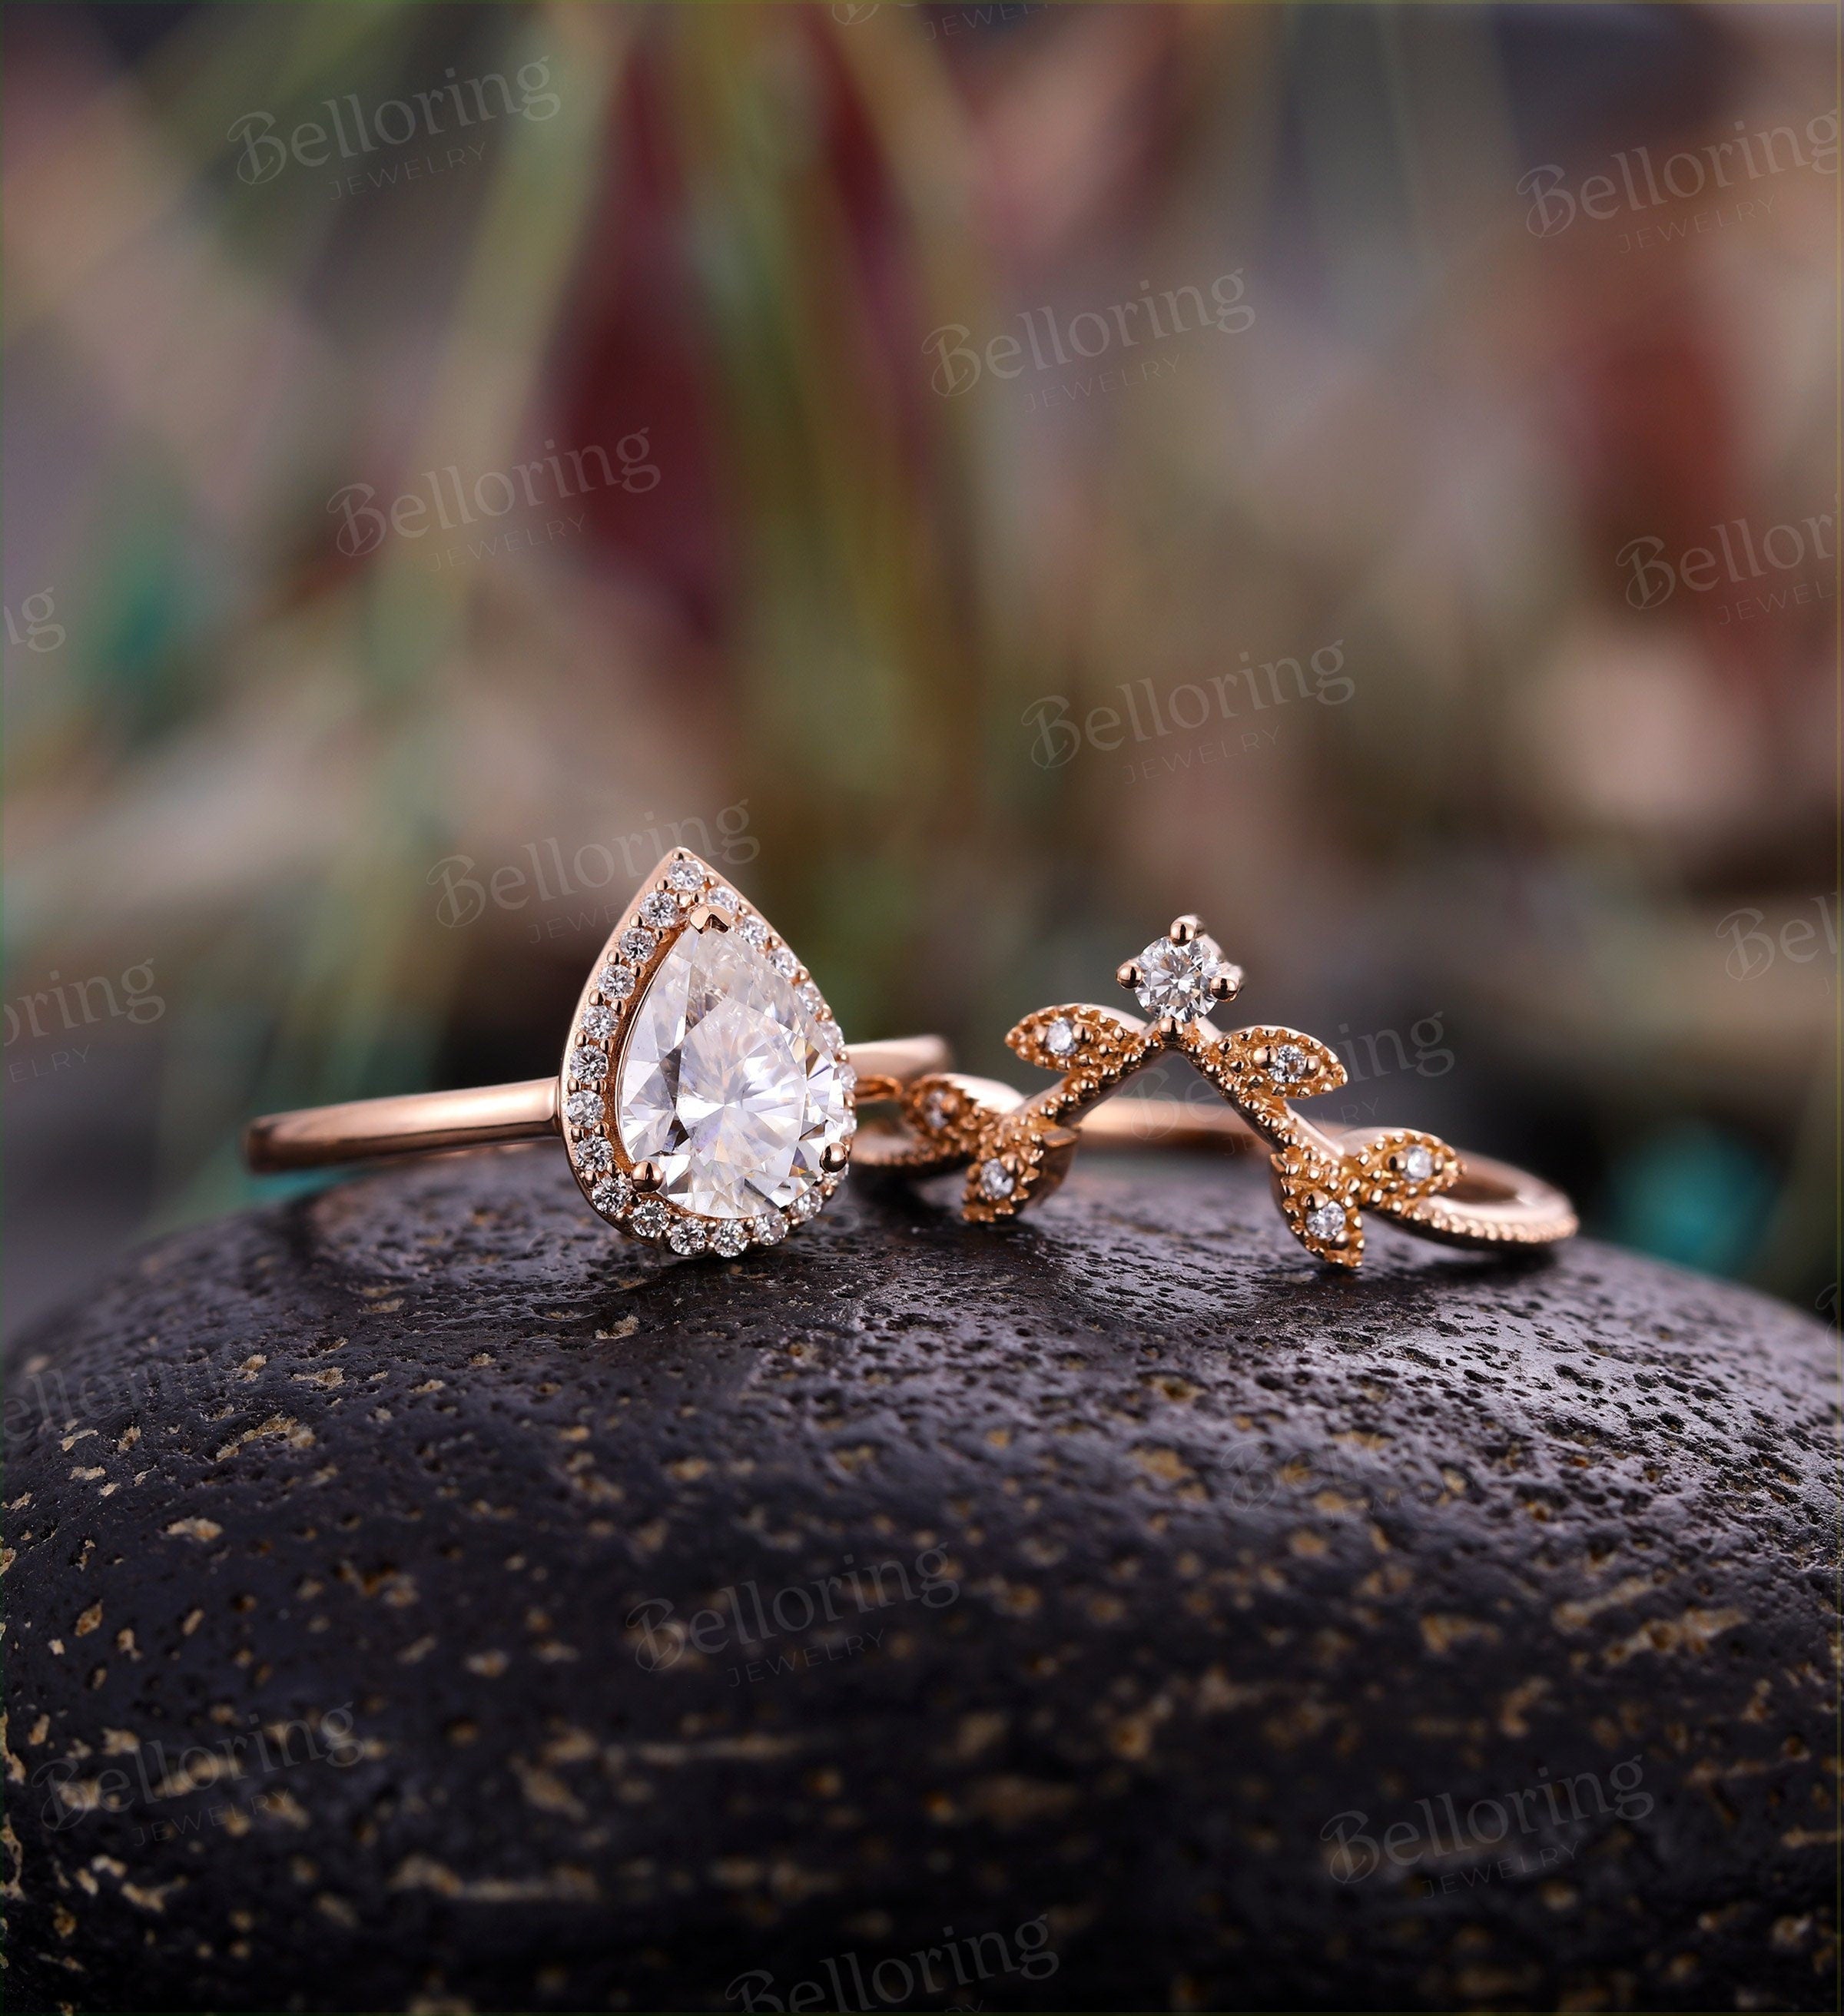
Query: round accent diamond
x,y
1325,1222
721,896
1287,1061
1175,979
1059,1039
937,1109
686,1235
584,1109
616,981
598,1024
612,1196
586,1062
768,1230
594,1156
811,999
996,1180
805,1206
827,1035
660,910
729,1237
1418,1164
686,877
637,943
650,1218
753,931
784,963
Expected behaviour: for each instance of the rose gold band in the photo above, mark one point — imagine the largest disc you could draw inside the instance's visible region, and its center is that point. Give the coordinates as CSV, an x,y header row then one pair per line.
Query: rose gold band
x,y
1016,1148
422,1123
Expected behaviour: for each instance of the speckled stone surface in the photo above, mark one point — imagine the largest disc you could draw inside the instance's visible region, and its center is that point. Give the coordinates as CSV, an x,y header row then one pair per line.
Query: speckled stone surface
x,y
359,1538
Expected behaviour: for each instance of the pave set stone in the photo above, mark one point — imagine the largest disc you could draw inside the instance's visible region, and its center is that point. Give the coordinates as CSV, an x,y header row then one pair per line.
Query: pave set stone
x,y
732,1077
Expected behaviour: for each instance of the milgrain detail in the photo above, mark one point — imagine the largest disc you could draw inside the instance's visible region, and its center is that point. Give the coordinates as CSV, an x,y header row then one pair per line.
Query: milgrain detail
x,y
1018,1150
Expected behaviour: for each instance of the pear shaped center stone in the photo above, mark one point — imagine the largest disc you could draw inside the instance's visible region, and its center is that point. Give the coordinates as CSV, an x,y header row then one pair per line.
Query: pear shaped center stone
x,y
727,1082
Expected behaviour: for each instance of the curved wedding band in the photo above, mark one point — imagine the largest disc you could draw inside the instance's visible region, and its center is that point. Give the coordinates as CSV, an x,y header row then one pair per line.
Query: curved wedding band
x,y
1016,1149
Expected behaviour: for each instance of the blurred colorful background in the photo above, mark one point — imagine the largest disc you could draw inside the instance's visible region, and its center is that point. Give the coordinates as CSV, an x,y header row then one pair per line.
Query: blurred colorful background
x,y
991,476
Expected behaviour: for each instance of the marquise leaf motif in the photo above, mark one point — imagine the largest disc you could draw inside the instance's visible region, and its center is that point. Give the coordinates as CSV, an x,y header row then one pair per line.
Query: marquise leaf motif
x,y
948,1124
1024,1157
1267,1065
1080,1037
1395,1170
1319,1199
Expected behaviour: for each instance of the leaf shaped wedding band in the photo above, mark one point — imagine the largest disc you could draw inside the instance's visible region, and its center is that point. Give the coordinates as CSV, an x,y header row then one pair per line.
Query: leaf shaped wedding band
x,y
1016,1149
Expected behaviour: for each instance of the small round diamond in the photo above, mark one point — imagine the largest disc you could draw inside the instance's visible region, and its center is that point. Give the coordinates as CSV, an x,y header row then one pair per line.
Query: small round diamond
x,y
686,1235
612,1196
805,1206
721,896
598,1024
783,960
937,1109
848,1078
660,910
768,1230
588,1063
831,1040
594,1156
812,999
729,1237
1059,1039
650,1218
1175,979
686,877
1418,1164
754,932
637,943
585,1109
996,1180
1325,1222
1288,1062
616,981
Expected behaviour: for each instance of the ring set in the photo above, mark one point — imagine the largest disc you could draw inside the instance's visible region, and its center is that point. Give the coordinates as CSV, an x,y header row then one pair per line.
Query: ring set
x,y
708,1101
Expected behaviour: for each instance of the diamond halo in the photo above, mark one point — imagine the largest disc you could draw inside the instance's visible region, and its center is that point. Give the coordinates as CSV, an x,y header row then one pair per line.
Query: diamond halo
x,y
730,1102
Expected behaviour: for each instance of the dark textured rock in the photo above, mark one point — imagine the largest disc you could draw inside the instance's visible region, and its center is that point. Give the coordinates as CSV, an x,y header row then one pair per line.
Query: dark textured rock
x,y
1227,1551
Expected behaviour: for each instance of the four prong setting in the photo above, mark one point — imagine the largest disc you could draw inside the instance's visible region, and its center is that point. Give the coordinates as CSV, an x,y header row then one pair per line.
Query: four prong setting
x,y
1183,975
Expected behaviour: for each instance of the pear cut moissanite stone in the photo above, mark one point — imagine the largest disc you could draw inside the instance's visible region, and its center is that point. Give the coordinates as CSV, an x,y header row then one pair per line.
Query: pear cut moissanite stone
x,y
726,1082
